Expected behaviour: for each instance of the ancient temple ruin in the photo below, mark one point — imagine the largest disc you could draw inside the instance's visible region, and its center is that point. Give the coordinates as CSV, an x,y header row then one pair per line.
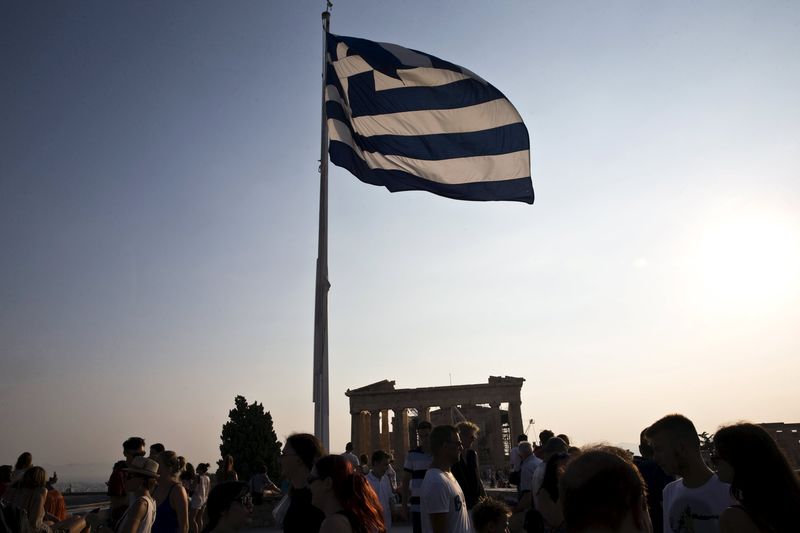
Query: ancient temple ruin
x,y
372,428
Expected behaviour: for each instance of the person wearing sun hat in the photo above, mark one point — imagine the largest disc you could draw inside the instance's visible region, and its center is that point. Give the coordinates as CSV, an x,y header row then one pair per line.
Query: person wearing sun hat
x,y
140,479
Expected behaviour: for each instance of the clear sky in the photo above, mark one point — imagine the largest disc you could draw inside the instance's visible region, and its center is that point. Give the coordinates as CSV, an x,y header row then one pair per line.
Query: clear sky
x,y
158,220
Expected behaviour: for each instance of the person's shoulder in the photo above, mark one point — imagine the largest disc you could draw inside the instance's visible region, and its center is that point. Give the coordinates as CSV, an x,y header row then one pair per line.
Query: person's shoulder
x,y
336,523
736,519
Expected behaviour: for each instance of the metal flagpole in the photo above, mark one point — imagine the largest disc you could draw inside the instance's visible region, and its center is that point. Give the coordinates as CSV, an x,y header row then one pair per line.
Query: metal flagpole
x,y
320,383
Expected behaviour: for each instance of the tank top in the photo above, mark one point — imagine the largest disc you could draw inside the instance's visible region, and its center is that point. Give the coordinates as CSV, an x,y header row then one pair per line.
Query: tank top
x,y
166,518
146,524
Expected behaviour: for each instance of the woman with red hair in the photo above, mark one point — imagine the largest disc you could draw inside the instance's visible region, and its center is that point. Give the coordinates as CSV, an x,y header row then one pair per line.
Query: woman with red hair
x,y
345,496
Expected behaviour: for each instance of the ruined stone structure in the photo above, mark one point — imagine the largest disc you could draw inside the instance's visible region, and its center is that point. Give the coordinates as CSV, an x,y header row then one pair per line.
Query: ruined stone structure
x,y
787,436
480,403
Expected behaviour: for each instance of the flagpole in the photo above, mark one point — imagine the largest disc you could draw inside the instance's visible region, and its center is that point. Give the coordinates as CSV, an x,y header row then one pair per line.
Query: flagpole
x,y
320,381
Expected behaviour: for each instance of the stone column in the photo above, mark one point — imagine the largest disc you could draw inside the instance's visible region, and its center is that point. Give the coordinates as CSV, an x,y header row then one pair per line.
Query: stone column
x,y
374,431
424,413
385,430
399,438
364,434
496,440
355,431
515,420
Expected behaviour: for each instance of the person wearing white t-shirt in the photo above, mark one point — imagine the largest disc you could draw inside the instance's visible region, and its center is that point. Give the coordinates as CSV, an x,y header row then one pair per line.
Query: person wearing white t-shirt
x,y
379,480
442,503
694,502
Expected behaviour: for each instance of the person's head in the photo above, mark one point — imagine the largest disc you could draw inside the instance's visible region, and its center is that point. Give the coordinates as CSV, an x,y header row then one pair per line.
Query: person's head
x,y
761,479
468,432
601,489
229,505
563,437
446,444
380,462
228,463
141,474
522,437
544,436
424,429
491,516
525,449
5,473
133,447
348,447
675,443
168,463
363,459
188,472
300,453
553,447
202,468
645,449
156,449
335,484
34,478
24,461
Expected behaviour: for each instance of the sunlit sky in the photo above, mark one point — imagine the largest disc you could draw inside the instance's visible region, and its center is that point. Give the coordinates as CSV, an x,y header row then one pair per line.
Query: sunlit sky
x,y
158,221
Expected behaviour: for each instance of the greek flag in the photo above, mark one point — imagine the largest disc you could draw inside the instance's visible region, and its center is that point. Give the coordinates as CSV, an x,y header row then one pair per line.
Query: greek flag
x,y
407,120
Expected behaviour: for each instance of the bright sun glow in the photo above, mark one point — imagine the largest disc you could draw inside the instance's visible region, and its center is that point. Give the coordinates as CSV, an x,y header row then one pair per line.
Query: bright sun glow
x,y
749,259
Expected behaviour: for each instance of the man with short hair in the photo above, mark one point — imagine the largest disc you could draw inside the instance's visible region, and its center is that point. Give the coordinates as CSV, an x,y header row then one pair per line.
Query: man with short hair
x,y
601,490
442,502
529,464
694,502
490,516
513,455
544,436
417,463
466,469
381,485
350,456
655,478
118,497
156,449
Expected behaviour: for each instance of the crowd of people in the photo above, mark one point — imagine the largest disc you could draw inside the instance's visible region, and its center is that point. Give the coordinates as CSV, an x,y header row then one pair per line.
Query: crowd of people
x,y
669,488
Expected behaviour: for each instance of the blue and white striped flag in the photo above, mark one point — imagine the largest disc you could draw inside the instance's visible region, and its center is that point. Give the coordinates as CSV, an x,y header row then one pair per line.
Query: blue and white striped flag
x,y
407,120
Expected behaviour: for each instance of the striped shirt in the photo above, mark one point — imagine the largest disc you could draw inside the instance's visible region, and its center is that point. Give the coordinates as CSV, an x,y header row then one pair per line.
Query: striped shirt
x,y
417,463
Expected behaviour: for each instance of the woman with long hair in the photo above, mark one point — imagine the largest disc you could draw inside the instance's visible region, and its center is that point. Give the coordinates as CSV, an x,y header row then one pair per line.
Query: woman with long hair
x,y
172,511
761,481
24,462
29,494
199,498
346,497
230,507
299,454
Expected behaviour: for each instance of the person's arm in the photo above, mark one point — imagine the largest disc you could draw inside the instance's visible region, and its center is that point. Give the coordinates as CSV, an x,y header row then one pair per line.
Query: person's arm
x,y
36,507
336,524
180,503
135,515
404,491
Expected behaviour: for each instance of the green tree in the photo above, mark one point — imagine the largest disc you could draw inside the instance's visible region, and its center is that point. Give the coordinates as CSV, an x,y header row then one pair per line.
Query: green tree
x,y
250,438
707,448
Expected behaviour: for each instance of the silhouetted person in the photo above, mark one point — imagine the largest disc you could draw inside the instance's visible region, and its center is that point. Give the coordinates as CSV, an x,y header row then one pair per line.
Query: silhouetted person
x,y
466,470
763,483
655,478
694,502
602,491
442,504
350,456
